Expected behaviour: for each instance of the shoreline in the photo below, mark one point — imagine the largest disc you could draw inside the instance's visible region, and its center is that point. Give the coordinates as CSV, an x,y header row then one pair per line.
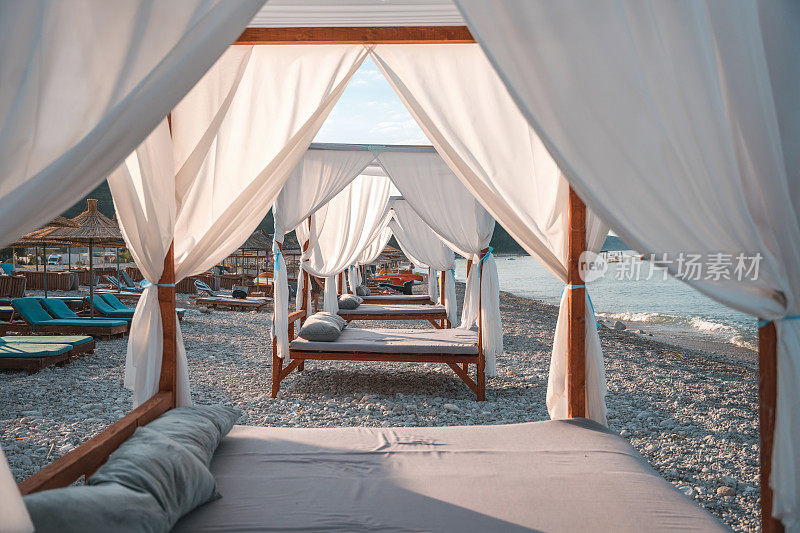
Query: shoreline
x,y
692,415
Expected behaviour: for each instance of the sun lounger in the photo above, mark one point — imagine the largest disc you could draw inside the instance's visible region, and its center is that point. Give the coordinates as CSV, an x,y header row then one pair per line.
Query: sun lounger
x,y
38,320
435,314
457,348
127,280
117,284
202,287
233,304
80,343
33,357
555,475
109,306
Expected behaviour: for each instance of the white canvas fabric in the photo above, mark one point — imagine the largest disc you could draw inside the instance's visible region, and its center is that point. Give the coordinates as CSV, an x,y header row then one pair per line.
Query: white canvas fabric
x,y
218,182
320,175
428,183
425,249
375,248
15,516
71,111
341,229
502,162
692,146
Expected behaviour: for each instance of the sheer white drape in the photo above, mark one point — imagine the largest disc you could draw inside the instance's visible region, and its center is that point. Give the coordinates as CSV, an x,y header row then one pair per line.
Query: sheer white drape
x,y
703,149
501,160
220,184
424,248
428,183
373,251
320,175
72,110
84,83
341,229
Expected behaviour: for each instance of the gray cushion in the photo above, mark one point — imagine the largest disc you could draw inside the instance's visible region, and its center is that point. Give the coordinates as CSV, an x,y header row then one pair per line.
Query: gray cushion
x,y
349,301
362,290
322,327
153,463
106,507
198,427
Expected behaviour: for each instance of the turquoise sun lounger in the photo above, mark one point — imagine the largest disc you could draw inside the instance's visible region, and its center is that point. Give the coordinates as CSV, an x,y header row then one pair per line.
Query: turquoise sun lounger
x,y
79,343
109,305
33,357
32,310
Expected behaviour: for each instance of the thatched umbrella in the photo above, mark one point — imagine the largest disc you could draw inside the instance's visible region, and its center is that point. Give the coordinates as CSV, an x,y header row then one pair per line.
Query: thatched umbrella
x,y
93,228
256,242
41,236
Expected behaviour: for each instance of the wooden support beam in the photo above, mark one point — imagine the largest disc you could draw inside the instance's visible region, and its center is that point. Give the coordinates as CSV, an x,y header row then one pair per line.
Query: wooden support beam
x,y
357,35
166,304
576,328
767,400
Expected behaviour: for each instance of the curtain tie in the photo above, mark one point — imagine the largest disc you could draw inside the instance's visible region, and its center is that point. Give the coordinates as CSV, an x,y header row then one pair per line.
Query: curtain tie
x,y
570,286
486,255
278,254
146,284
762,323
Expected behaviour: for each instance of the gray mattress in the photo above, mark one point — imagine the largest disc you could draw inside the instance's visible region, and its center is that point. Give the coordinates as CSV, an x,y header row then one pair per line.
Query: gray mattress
x,y
398,297
382,309
444,341
540,476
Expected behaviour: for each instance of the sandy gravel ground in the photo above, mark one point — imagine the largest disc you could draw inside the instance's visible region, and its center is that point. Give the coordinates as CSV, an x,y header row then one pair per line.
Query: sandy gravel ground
x,y
693,415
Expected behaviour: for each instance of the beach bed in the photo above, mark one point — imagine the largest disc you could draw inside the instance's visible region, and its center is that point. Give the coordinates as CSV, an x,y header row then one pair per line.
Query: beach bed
x,y
566,475
233,304
457,348
435,314
398,299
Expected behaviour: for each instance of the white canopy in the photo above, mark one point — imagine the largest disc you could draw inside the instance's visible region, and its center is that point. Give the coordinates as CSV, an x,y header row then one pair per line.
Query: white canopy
x,y
350,13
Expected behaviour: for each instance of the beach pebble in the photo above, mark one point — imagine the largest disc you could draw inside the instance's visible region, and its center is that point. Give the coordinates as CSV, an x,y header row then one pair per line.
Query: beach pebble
x,y
451,407
726,491
619,325
204,310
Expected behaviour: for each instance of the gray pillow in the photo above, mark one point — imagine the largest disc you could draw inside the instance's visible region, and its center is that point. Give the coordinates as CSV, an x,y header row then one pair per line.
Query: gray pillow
x,y
362,290
106,507
153,463
322,327
349,301
199,428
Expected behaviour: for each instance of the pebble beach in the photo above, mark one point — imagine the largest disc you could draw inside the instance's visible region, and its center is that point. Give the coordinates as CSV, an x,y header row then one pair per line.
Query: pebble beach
x,y
692,413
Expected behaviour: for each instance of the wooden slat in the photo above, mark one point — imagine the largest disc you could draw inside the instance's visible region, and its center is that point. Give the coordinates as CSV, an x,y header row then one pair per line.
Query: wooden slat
x,y
90,455
462,373
166,304
357,35
390,357
767,399
576,354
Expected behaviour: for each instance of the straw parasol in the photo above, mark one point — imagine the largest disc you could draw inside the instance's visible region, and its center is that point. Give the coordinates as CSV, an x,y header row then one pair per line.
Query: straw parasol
x,y
93,228
256,242
40,237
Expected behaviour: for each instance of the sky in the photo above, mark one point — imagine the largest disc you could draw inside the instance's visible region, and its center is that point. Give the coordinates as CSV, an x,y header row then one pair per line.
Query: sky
x,y
369,111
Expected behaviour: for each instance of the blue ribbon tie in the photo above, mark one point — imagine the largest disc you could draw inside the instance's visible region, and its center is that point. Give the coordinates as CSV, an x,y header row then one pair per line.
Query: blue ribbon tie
x,y
762,323
146,284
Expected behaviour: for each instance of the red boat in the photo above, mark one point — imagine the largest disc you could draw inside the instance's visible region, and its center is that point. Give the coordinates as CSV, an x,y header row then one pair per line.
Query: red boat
x,y
397,278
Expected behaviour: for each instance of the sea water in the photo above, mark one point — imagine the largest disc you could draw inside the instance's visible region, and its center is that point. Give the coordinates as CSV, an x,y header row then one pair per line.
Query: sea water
x,y
658,303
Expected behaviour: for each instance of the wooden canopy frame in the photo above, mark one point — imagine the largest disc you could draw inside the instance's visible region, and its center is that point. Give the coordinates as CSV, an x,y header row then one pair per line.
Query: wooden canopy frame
x,y
86,458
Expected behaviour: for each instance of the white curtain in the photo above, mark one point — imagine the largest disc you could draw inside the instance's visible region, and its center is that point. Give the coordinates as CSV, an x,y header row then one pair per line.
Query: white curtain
x,y
375,248
692,145
428,183
501,160
342,228
80,89
320,175
83,84
424,248
223,186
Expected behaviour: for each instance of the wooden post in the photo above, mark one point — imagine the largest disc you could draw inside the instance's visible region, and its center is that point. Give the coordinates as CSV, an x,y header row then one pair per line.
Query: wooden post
x,y
469,266
166,303
576,327
481,370
767,400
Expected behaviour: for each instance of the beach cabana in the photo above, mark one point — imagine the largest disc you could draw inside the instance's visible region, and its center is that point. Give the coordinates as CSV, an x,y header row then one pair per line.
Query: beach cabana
x,y
675,122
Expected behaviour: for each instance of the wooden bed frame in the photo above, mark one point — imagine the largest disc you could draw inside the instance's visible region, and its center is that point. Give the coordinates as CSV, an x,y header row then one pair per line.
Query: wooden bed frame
x,y
87,457
384,299
242,305
437,318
